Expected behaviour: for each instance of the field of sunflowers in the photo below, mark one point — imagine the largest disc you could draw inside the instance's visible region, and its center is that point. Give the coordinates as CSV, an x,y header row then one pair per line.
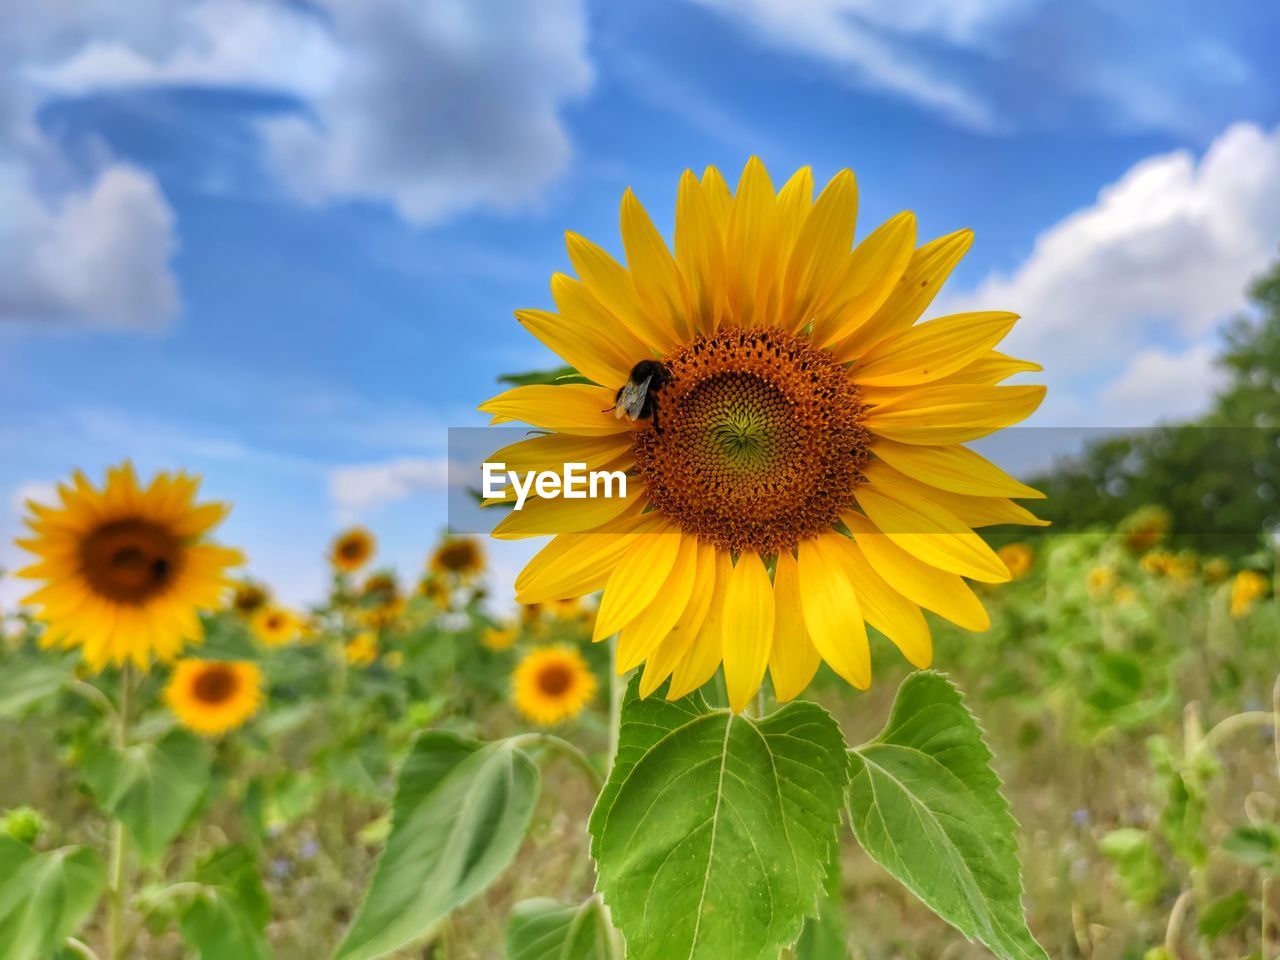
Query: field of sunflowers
x,y
670,745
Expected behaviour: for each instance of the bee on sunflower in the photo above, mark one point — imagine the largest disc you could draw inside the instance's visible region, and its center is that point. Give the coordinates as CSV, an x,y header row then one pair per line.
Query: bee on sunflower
x,y
211,697
553,684
794,438
126,569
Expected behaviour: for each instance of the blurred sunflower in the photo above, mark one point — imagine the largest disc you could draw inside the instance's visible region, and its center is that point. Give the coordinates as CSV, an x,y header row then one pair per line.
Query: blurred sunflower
x,y
553,684
380,599
498,639
1145,528
1216,569
808,474
276,626
213,696
434,589
249,598
126,569
1018,557
352,549
1100,580
460,557
1247,589
362,649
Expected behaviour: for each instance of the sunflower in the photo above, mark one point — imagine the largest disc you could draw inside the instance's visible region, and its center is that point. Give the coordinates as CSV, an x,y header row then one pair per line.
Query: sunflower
x,y
362,649
434,589
1018,557
806,472
1247,588
1101,579
214,696
276,626
460,557
553,684
126,569
380,599
1145,528
249,598
352,549
498,639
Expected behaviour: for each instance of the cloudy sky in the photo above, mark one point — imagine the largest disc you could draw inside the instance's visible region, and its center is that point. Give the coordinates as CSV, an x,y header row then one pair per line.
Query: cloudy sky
x,y
280,242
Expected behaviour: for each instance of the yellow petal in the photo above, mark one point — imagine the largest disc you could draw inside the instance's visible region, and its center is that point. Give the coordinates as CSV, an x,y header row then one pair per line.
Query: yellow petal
x,y
573,565
954,468
930,351
990,368
585,348
719,198
551,451
927,530
793,659
539,517
616,344
871,274
703,656
946,594
635,581
751,245
610,283
821,254
657,280
887,610
795,200
639,637
949,415
685,633
748,629
700,253
576,408
925,274
832,613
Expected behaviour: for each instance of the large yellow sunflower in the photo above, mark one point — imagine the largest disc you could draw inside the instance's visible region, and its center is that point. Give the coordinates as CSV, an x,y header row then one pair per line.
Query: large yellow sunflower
x,y
214,696
126,569
352,549
553,684
807,474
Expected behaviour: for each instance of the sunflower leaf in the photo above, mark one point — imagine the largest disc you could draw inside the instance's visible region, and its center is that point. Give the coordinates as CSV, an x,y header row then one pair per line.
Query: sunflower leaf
x,y
228,918
926,805
459,816
44,897
543,929
152,788
712,834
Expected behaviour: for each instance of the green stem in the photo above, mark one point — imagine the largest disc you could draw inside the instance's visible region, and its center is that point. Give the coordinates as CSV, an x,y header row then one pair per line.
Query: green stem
x,y
80,948
1173,933
617,691
1233,724
96,697
119,840
566,750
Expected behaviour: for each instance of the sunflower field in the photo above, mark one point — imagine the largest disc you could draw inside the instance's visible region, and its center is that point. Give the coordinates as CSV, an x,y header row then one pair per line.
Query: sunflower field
x,y
665,740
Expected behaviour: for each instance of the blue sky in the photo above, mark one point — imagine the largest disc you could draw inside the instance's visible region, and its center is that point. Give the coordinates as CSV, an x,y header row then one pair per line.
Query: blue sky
x,y
281,243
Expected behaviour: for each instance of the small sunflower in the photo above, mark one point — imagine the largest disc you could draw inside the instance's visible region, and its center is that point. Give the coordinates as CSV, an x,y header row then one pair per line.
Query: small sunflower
x,y
362,649
1018,557
1247,589
276,626
126,569
352,549
1145,528
1101,579
380,599
498,639
249,598
809,474
434,589
553,684
1216,569
213,696
460,557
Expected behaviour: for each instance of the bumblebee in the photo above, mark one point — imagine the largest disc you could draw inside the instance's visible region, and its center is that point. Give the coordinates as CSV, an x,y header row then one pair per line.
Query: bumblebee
x,y
638,397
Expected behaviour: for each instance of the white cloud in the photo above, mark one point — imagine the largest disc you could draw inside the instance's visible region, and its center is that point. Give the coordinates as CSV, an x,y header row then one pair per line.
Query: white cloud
x,y
1158,385
866,37
1163,255
97,256
442,107
359,489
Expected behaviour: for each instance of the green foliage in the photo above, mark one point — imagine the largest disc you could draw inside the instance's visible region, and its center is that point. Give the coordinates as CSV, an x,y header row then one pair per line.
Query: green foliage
x,y
1224,915
824,937
460,813
25,682
925,804
1256,846
152,788
546,930
713,831
1133,854
23,823
44,897
227,918
533,377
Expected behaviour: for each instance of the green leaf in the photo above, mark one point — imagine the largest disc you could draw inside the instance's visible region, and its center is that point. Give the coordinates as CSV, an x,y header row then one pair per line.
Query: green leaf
x,y
546,930
1133,854
44,897
460,813
1224,915
713,831
1257,846
824,937
24,683
556,376
152,788
227,919
926,805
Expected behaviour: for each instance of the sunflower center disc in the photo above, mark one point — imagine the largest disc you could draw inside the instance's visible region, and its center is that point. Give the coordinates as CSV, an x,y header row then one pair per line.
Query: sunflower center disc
x,y
555,679
761,443
130,561
458,557
214,685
